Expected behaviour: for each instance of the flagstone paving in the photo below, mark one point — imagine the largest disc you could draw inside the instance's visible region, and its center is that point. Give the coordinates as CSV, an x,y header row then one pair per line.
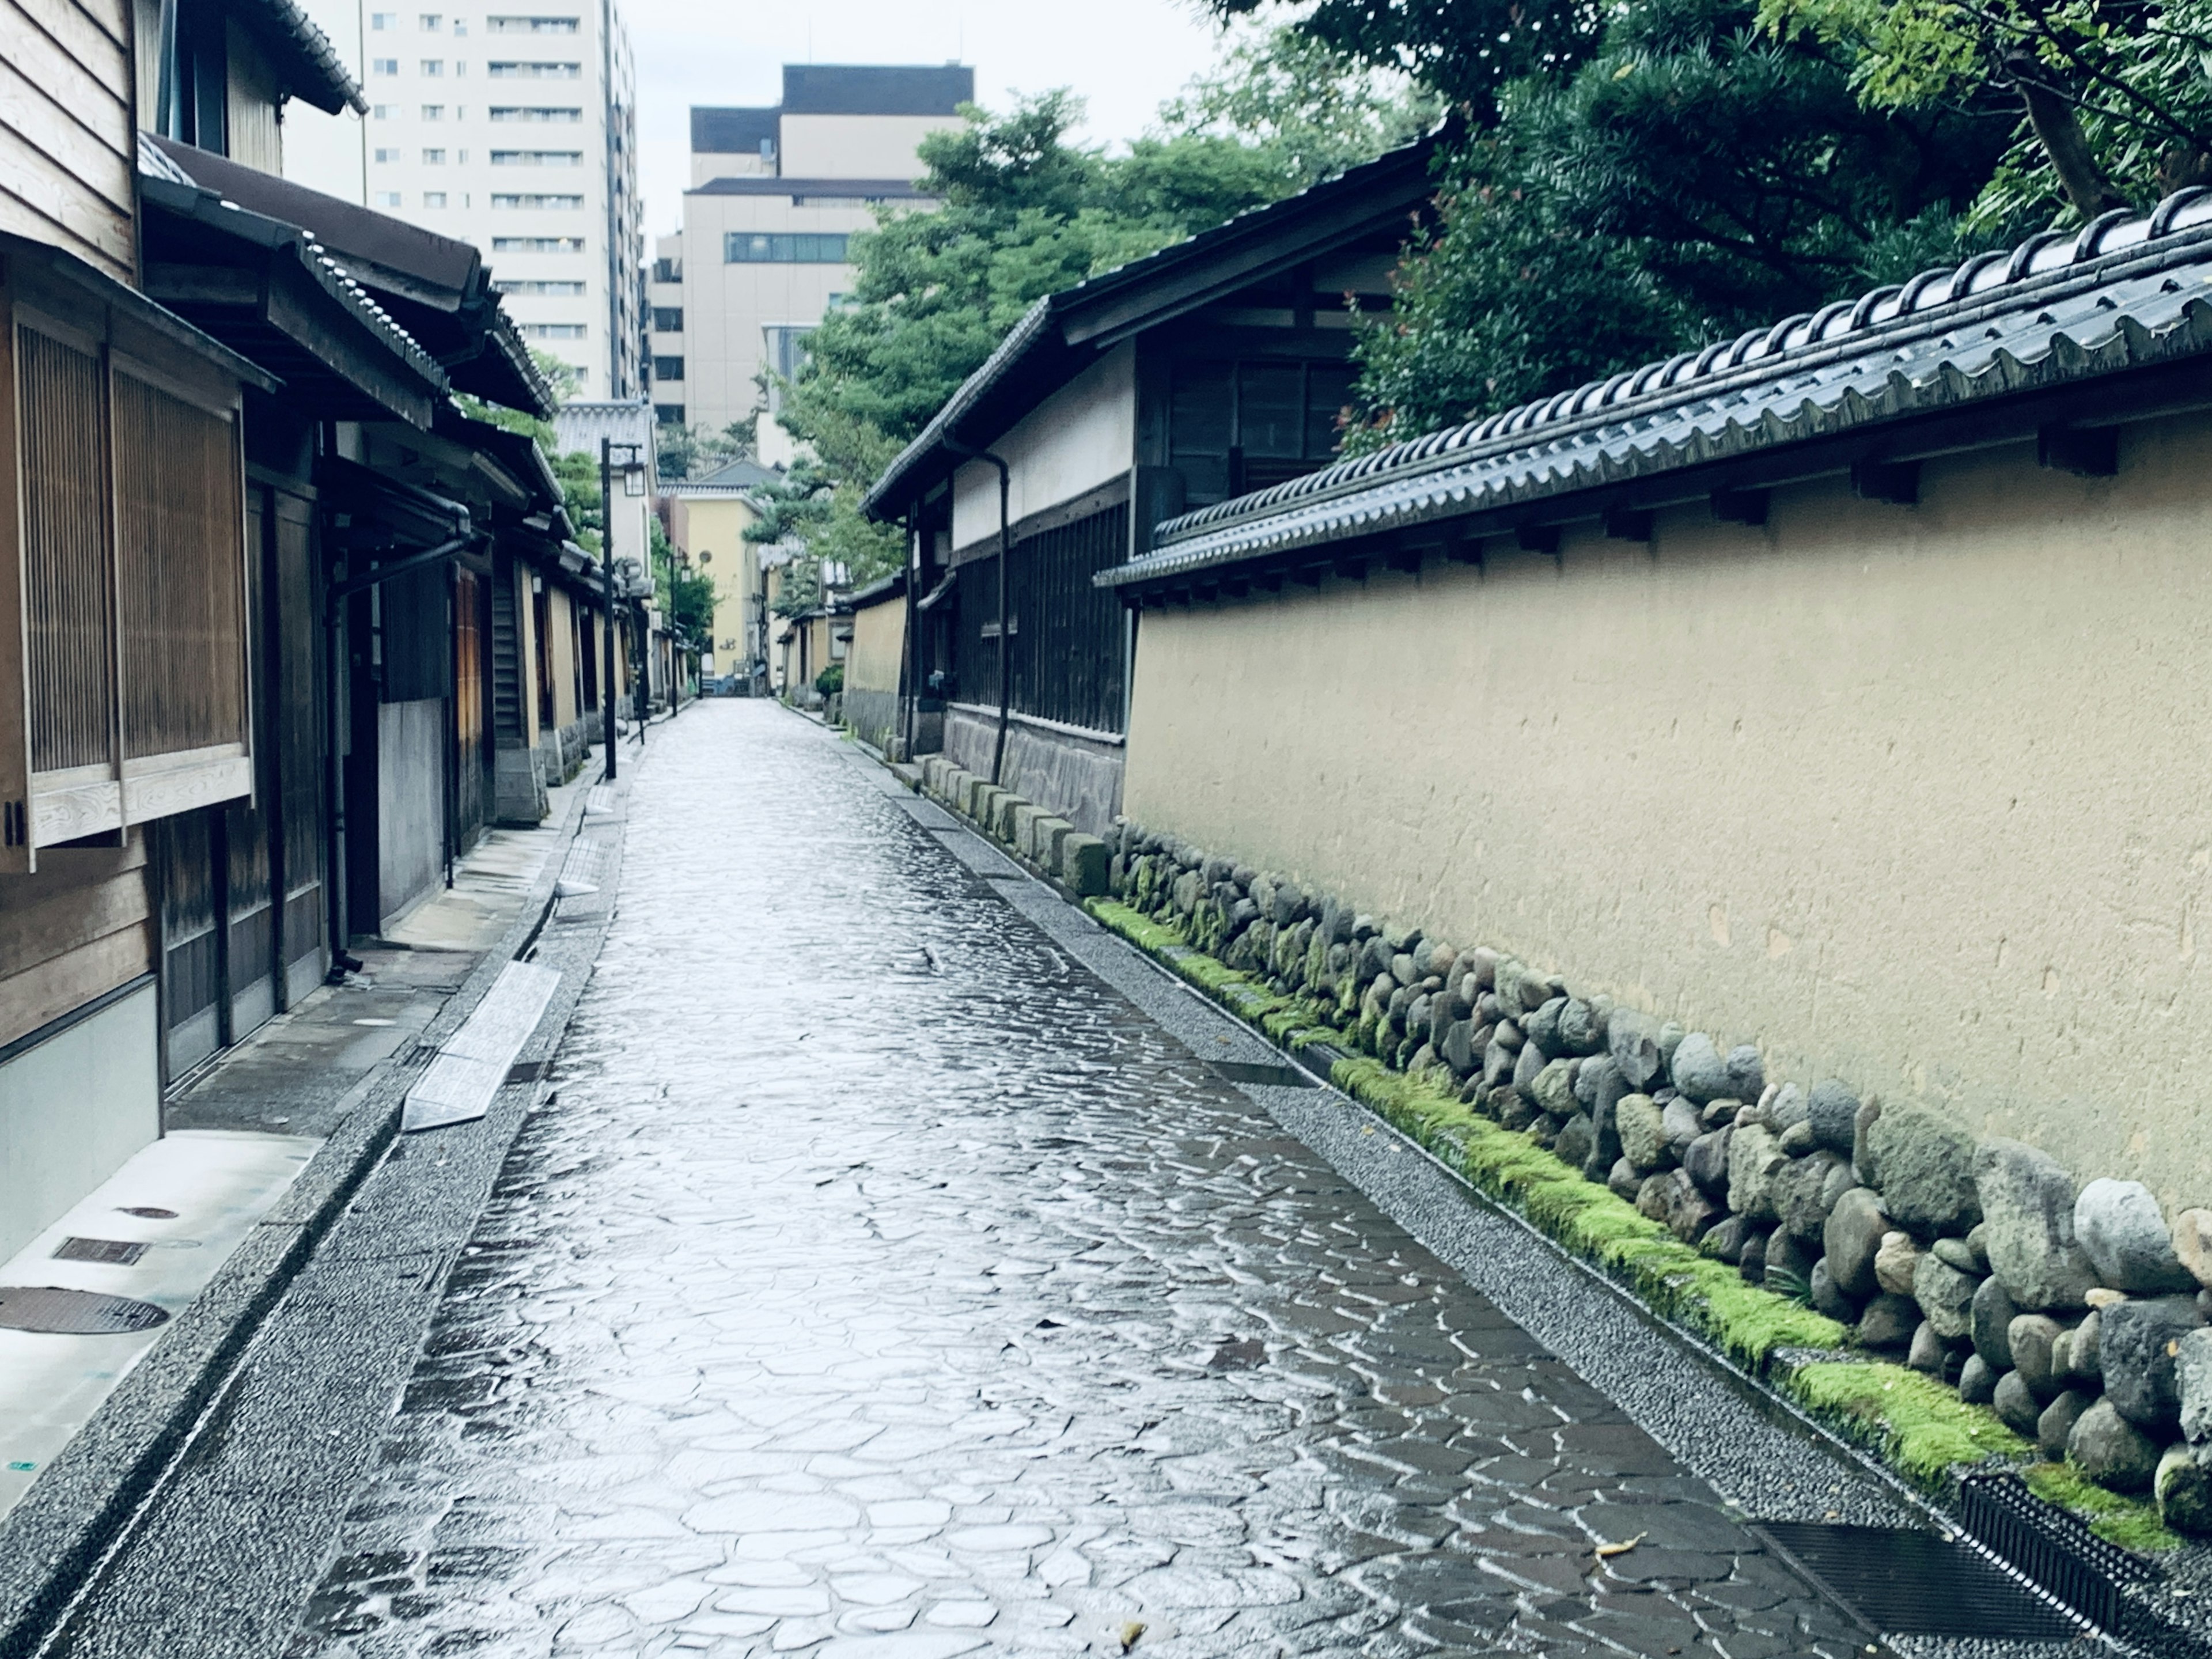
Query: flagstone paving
x,y
877,1282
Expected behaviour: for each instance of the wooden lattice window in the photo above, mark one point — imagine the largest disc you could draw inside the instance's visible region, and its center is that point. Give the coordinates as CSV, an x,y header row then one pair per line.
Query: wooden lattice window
x,y
124,568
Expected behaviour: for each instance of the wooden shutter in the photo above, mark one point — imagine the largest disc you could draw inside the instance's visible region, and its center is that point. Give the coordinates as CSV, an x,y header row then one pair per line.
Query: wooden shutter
x,y
123,638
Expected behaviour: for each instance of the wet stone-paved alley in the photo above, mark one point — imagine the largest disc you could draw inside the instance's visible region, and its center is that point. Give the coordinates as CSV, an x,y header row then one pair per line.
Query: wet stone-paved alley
x,y
877,1280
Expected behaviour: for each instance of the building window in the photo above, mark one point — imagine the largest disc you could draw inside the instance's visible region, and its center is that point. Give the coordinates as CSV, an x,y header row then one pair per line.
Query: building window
x,y
668,270
385,112
668,369
551,203
741,247
1235,427
536,245
432,22
385,157
460,26
462,156
434,112
383,19
384,66
434,66
553,330
668,319
460,67
387,198
537,158
520,113
529,286
513,71
434,198
530,25
668,414
435,158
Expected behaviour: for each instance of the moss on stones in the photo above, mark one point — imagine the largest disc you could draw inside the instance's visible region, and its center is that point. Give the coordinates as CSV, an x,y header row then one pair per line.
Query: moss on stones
x,y
2129,1522
1920,1426
1916,1423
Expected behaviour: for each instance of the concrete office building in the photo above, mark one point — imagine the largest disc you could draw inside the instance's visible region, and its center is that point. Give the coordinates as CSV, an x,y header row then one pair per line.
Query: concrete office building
x,y
775,193
514,129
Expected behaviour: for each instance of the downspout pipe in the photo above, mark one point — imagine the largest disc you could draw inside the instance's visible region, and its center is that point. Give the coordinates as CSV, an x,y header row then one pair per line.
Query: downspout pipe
x,y
908,664
1006,557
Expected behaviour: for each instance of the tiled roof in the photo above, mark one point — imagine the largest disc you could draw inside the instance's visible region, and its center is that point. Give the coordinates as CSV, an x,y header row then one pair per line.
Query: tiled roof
x,y
2126,291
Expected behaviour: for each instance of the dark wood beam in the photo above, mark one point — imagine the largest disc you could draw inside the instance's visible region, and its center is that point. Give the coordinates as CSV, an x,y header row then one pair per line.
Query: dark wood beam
x,y
1629,524
1538,538
1897,483
1740,506
2086,452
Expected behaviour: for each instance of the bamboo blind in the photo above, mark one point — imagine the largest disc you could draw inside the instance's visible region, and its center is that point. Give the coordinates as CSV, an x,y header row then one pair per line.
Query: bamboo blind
x,y
178,526
67,580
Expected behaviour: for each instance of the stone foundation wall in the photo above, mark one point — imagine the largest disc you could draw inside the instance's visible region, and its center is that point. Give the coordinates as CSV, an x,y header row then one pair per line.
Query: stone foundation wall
x,y
2080,1313
1077,777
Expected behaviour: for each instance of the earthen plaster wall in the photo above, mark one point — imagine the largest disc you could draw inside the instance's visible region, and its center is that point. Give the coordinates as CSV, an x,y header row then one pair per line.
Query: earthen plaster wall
x,y
1919,797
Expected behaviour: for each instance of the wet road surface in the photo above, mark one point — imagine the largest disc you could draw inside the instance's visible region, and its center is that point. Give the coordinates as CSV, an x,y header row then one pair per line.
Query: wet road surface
x,y
877,1282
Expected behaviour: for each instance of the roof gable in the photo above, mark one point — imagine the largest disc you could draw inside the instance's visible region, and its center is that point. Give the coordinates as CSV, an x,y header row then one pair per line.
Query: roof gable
x,y
1064,333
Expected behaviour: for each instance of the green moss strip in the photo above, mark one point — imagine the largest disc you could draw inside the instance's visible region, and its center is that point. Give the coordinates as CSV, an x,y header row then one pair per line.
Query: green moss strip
x,y
2130,1522
1920,1427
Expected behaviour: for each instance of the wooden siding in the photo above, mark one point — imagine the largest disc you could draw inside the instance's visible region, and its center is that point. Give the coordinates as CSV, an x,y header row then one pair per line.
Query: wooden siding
x,y
255,137
68,128
72,930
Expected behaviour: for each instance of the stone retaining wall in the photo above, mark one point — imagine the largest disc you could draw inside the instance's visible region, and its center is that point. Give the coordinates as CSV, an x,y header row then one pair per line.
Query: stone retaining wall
x,y
2079,1314
1032,833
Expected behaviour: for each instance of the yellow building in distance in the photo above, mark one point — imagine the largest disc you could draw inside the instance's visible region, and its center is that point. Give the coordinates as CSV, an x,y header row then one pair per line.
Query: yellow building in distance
x,y
708,518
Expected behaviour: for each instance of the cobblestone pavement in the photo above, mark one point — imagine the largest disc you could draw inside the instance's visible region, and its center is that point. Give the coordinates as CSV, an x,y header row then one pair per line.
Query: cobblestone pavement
x,y
878,1282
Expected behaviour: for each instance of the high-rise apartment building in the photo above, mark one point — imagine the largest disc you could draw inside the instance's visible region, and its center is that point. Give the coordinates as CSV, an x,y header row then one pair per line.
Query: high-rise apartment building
x,y
514,129
775,195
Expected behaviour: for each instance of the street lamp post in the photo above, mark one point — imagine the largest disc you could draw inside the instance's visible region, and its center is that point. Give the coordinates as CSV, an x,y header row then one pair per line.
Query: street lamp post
x,y
632,472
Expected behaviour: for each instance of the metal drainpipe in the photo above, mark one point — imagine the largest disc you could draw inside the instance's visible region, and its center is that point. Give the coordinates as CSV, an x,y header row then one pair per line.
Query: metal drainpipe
x,y
1005,556
907,665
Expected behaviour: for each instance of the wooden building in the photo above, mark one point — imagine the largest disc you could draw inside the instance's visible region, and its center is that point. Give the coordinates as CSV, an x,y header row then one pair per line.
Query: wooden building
x,y
248,564
1212,367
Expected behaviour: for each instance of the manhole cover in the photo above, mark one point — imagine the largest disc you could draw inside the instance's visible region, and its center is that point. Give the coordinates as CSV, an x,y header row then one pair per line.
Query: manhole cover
x,y
1275,1077
1900,1581
73,1312
118,1252
146,1212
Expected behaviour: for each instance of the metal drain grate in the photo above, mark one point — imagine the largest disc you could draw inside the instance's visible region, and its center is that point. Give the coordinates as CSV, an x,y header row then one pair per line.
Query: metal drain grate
x,y
118,1252
58,1312
2049,1547
1274,1077
1900,1581
146,1212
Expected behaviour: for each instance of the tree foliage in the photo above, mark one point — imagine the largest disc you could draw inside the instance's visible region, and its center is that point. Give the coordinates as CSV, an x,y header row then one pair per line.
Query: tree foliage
x,y
1638,179
2113,100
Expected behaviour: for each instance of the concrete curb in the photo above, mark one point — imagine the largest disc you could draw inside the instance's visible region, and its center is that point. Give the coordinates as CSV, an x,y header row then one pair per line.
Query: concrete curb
x,y
53,1543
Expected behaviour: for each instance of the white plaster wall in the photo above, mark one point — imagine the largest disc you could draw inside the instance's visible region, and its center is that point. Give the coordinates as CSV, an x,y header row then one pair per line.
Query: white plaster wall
x,y
72,1109
1918,797
1079,438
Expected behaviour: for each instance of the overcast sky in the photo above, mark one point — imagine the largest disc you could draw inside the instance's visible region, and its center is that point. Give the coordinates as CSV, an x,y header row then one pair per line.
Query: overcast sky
x,y
1123,56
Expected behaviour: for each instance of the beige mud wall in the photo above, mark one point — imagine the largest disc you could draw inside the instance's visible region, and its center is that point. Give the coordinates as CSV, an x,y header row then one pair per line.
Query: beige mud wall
x,y
1921,798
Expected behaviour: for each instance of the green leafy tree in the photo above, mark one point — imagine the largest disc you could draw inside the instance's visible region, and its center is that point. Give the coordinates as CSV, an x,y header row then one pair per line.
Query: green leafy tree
x,y
2113,100
1629,191
684,596
691,451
